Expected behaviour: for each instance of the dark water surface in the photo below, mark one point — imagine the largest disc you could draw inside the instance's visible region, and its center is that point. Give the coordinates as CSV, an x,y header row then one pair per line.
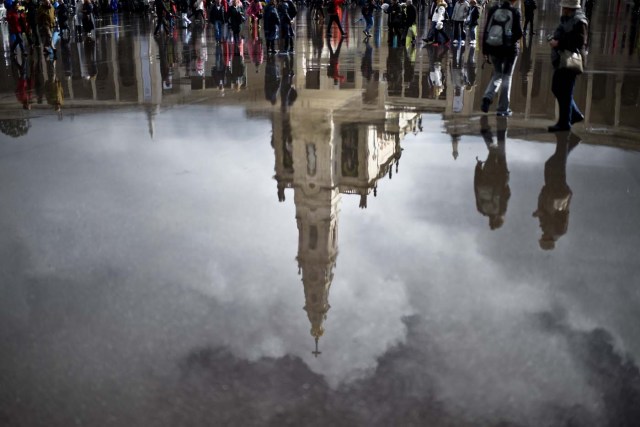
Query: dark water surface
x,y
312,245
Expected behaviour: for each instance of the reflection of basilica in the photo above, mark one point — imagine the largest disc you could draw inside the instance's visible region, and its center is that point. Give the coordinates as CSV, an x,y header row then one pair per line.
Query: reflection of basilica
x,y
321,158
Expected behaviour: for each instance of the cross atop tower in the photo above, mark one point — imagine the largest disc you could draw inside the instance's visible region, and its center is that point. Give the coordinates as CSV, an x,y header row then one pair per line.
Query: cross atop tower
x,y
316,353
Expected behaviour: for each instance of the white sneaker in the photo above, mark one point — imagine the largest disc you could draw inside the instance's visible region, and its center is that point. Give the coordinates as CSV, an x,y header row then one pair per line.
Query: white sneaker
x,y
462,43
472,43
455,42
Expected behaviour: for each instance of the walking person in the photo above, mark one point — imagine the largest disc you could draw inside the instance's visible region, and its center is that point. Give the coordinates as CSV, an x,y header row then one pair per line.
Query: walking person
x,y
529,8
162,15
255,14
472,21
368,7
395,23
17,25
460,12
236,19
217,18
437,35
198,11
271,24
87,17
569,37
333,9
500,46
411,28
46,22
286,29
31,9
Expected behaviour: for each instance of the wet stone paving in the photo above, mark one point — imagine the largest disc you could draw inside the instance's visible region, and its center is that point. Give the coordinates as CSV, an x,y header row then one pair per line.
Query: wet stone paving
x,y
196,233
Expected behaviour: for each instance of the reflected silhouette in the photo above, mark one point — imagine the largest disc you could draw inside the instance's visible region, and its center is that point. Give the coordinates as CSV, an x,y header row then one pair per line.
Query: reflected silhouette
x,y
333,71
555,197
491,177
271,80
24,89
437,79
53,88
288,92
323,158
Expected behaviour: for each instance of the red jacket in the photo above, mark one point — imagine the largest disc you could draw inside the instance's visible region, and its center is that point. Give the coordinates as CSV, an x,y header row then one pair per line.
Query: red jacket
x,y
16,20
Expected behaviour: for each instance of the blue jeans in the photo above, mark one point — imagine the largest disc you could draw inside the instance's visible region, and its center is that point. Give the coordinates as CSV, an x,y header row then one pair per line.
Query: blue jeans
x,y
472,33
501,80
562,86
368,21
217,25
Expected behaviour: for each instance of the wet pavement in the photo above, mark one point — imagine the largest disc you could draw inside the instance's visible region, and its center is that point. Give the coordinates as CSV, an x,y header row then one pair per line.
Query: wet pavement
x,y
203,234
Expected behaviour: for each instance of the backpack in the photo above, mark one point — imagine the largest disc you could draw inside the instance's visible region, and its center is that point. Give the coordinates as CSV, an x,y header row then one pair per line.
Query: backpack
x,y
293,11
499,33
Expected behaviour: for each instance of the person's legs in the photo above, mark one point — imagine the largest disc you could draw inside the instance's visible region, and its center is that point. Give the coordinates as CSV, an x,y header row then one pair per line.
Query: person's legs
x,y
20,42
218,27
508,66
334,18
562,86
368,24
14,43
496,79
456,31
472,34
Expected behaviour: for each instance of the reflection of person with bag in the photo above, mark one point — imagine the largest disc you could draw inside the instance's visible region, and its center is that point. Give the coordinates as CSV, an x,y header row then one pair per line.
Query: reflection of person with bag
x,y
53,88
568,41
491,177
555,196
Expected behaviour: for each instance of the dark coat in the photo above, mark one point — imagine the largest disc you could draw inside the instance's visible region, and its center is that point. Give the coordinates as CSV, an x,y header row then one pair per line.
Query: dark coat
x,y
271,22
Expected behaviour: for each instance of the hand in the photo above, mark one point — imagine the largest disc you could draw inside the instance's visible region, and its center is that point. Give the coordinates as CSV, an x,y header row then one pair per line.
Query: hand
x,y
553,43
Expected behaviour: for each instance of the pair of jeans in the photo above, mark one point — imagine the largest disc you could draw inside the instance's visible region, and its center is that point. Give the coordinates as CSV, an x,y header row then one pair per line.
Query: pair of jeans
x,y
17,41
562,85
501,78
217,25
368,20
472,33
458,31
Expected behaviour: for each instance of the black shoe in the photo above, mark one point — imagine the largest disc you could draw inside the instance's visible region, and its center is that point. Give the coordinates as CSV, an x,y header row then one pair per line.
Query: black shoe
x,y
485,105
559,128
577,118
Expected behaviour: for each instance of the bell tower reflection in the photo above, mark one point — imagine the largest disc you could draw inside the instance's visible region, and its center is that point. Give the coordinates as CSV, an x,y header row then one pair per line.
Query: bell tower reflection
x,y
322,155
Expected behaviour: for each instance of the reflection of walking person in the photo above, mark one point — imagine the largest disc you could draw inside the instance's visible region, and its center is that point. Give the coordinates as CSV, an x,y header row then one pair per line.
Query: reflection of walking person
x,y
555,196
491,177
569,37
333,71
53,87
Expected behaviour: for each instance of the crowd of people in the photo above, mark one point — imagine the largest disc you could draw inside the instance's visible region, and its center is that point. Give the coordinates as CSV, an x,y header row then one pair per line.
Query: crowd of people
x,y
37,24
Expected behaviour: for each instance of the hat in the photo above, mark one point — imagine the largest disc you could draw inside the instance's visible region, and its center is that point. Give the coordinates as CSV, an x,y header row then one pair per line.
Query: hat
x,y
442,3
570,4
